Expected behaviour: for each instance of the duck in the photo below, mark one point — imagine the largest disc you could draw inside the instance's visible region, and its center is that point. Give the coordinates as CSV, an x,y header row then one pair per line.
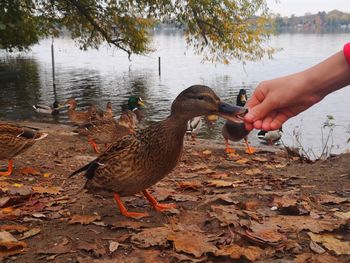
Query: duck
x,y
14,140
135,105
193,127
54,110
139,160
102,131
270,137
80,117
109,111
236,131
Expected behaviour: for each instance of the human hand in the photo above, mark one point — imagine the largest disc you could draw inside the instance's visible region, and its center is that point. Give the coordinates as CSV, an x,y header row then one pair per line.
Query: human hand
x,y
275,101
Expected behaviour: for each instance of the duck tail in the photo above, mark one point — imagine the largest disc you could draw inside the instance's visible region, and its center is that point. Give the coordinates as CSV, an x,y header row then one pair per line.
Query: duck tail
x,y
90,169
41,136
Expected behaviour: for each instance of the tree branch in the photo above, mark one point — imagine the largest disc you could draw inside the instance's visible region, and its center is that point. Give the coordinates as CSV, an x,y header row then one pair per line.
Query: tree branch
x,y
82,9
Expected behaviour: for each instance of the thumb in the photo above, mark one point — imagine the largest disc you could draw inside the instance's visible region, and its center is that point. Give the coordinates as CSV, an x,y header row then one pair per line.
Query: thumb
x,y
259,111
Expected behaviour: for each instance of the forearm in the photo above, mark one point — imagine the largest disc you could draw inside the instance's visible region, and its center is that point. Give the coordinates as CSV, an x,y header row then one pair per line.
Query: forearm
x,y
329,75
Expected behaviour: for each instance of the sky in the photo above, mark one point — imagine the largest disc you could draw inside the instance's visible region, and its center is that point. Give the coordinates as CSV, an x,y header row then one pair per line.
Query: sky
x,y
300,7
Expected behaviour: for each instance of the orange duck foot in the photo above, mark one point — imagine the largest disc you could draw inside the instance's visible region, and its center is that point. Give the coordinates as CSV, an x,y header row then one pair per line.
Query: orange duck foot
x,y
125,212
229,150
94,146
249,150
9,169
157,206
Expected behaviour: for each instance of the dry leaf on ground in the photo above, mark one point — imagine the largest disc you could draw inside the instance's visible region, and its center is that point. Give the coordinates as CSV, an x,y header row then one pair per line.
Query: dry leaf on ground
x,y
151,237
191,242
53,190
84,219
332,243
234,251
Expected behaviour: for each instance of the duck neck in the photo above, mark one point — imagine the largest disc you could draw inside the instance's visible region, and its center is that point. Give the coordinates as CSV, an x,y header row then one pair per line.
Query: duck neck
x,y
177,124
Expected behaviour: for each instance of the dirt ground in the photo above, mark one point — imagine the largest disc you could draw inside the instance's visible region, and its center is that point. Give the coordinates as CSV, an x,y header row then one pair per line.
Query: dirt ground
x,y
240,208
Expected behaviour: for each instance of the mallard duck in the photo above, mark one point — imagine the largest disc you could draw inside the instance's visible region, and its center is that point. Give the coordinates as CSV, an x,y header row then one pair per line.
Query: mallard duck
x,y
236,131
193,127
109,111
137,161
80,117
104,131
54,110
14,140
135,104
270,137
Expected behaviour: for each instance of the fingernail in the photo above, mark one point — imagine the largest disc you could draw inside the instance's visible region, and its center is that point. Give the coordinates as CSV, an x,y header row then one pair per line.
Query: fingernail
x,y
249,116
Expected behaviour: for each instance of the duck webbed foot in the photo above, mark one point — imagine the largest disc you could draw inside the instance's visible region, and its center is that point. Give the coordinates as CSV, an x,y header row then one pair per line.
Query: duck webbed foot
x,y
250,149
228,149
94,146
125,212
157,206
9,169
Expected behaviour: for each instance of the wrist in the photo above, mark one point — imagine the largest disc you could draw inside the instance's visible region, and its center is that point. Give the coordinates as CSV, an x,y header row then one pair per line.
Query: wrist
x,y
328,76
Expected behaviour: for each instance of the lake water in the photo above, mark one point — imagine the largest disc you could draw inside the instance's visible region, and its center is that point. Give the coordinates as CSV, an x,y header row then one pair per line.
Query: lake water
x,y
99,76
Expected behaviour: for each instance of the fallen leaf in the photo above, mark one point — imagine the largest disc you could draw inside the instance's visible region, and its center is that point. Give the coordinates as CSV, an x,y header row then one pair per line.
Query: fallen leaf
x,y
151,237
330,199
311,258
284,201
16,228
53,190
9,245
29,171
219,183
46,175
343,215
243,161
252,171
194,185
265,237
30,233
84,219
316,248
207,152
113,246
190,242
260,159
332,243
227,215
234,251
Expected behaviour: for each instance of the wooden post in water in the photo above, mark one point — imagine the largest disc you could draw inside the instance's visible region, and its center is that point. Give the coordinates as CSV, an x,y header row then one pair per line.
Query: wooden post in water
x,y
53,63
159,66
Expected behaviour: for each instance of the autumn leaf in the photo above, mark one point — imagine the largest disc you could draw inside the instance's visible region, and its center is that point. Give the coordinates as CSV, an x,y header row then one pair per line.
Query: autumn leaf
x,y
309,257
151,237
194,185
343,215
330,199
9,245
53,190
265,237
243,161
252,171
191,242
332,243
84,219
219,183
234,251
207,152
16,228
29,171
30,233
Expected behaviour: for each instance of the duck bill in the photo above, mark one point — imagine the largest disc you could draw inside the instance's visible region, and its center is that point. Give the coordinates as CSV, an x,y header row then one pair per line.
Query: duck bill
x,y
231,112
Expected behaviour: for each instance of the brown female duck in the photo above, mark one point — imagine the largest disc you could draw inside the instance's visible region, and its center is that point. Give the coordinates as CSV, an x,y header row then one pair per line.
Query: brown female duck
x,y
137,161
106,131
109,111
14,140
80,117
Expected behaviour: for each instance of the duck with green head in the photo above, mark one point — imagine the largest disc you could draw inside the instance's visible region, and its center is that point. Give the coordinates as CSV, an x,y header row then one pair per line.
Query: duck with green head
x,y
137,161
236,131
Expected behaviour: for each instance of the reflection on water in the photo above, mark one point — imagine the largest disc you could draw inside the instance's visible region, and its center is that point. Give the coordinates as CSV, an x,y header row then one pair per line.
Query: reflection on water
x,y
107,75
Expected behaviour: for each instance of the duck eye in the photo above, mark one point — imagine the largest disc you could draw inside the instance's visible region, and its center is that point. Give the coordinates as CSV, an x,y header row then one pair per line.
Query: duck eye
x,y
200,97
